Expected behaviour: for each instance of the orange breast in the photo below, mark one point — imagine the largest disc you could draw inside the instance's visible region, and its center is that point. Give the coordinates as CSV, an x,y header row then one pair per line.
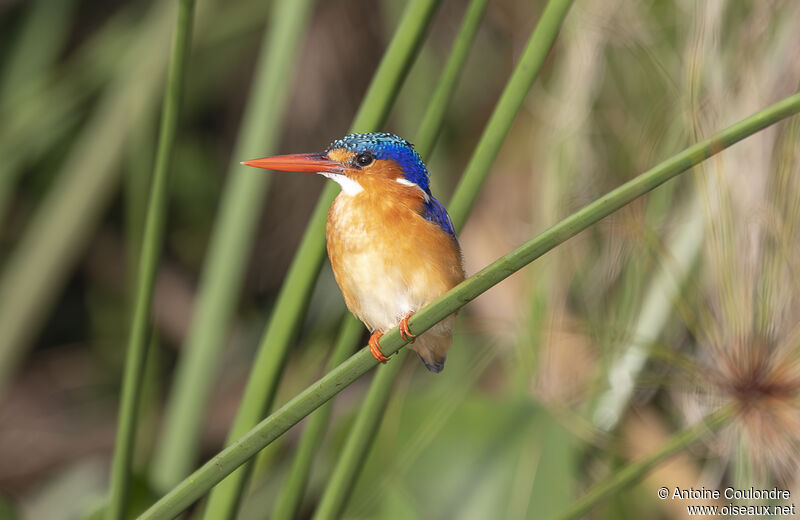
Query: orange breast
x,y
386,258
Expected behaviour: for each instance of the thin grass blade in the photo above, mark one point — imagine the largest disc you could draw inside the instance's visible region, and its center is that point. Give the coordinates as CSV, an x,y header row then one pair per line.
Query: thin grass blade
x,y
230,246
511,100
148,264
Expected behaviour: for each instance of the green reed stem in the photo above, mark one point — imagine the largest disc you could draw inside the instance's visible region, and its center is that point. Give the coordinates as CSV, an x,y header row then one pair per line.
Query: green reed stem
x,y
434,115
358,443
230,246
292,494
352,328
296,290
148,264
508,106
49,248
370,416
269,429
634,471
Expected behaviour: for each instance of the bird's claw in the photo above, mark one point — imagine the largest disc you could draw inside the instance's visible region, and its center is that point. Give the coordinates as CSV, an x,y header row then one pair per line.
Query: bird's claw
x,y
405,333
374,348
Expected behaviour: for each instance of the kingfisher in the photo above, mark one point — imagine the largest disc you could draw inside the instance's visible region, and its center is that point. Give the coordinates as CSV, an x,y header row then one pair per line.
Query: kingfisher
x,y
391,244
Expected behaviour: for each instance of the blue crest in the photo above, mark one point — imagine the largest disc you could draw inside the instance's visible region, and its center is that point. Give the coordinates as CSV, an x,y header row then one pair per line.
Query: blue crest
x,y
386,146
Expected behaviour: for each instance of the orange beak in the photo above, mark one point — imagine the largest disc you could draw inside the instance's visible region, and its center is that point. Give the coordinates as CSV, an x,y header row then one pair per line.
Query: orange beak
x,y
299,162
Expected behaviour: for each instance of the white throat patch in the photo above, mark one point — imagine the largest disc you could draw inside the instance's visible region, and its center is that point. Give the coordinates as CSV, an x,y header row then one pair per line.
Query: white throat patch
x,y
349,186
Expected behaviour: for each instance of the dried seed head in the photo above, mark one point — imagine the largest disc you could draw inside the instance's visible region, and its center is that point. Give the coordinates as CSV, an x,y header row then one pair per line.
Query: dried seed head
x,y
761,377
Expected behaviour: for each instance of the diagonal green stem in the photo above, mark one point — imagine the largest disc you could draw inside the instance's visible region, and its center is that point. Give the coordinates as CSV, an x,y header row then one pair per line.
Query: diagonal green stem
x,y
352,328
230,247
358,443
360,363
510,102
148,264
292,494
370,416
296,290
636,470
434,115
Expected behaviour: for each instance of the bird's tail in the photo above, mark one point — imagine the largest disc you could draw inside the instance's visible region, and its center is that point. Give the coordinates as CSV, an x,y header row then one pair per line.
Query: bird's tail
x,y
432,346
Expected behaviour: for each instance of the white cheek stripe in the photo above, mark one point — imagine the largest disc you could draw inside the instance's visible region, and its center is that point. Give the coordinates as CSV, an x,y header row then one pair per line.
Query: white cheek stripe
x,y
349,186
406,182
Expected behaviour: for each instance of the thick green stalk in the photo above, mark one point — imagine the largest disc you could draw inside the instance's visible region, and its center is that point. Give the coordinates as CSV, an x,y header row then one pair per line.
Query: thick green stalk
x,y
634,471
292,494
358,443
434,115
393,68
351,328
296,290
508,106
360,363
148,264
39,264
370,416
230,246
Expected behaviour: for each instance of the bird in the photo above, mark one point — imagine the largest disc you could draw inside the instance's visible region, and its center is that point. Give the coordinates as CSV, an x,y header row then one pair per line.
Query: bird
x,y
392,246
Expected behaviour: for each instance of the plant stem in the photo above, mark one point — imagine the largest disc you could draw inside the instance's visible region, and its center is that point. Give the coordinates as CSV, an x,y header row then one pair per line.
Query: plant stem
x,y
193,487
296,290
510,102
148,264
290,498
230,246
434,115
51,243
636,470
358,444
351,329
370,416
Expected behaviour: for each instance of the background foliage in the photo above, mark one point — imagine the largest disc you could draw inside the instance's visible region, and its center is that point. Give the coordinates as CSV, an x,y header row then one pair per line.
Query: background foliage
x,y
589,358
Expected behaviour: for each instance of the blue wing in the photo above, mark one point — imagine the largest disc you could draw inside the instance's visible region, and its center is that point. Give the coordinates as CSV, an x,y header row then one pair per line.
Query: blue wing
x,y
433,211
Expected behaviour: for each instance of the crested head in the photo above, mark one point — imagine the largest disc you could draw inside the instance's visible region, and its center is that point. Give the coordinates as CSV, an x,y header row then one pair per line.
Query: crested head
x,y
380,164
360,149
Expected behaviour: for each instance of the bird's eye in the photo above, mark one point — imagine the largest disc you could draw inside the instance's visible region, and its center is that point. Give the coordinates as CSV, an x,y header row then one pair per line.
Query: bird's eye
x,y
364,159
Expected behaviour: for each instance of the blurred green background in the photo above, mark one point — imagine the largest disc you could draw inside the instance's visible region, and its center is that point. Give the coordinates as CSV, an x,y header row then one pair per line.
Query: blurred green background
x,y
588,358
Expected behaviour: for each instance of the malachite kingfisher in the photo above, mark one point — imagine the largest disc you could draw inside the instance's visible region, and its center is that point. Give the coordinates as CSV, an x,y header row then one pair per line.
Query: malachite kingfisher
x,y
391,244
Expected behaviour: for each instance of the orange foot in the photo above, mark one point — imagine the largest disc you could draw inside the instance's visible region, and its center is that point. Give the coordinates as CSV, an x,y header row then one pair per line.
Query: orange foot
x,y
375,349
405,333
